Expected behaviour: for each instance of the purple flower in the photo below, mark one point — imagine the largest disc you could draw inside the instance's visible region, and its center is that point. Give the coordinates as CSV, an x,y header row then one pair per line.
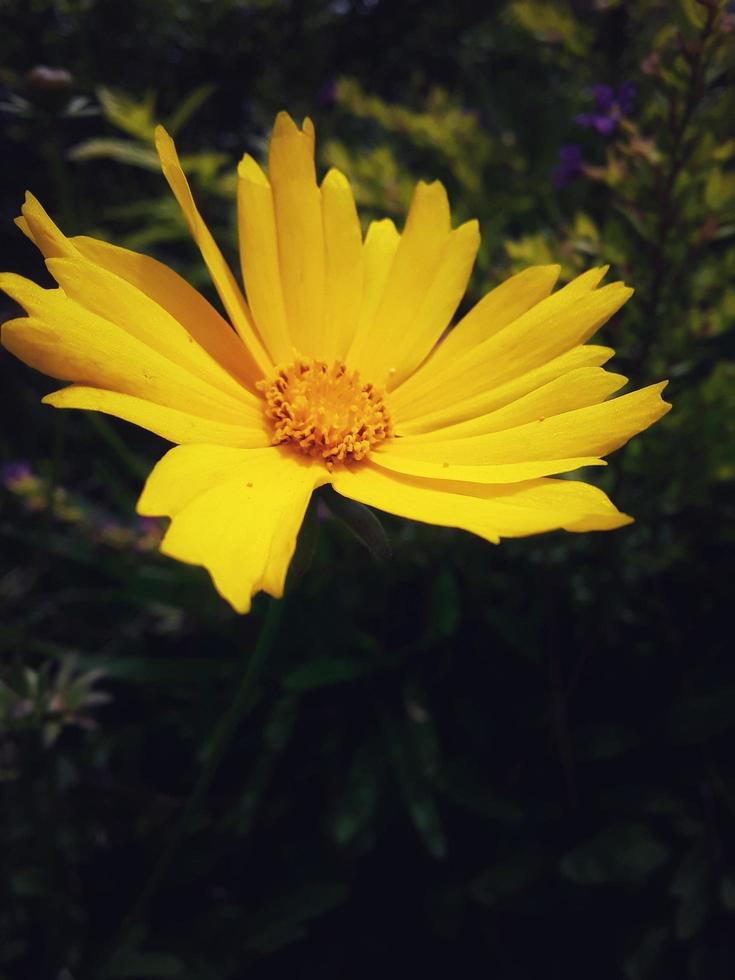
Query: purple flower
x,y
609,108
570,164
17,470
604,96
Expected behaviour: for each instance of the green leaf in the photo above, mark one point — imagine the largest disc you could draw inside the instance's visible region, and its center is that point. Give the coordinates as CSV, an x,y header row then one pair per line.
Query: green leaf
x,y
644,961
727,893
690,886
359,801
121,151
702,716
134,965
623,852
160,670
325,671
510,877
445,607
416,792
469,787
605,741
134,118
283,919
361,521
190,105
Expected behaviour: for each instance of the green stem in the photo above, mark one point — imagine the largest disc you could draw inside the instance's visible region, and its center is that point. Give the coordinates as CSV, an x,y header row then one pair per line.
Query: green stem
x,y
212,756
127,457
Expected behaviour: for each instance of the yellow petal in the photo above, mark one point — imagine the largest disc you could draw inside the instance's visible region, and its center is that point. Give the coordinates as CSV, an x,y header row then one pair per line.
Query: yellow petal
x,y
106,294
45,235
489,399
492,512
496,309
391,459
67,341
236,512
440,302
256,219
169,423
548,329
575,389
300,232
344,265
593,431
378,252
185,304
412,271
229,292
160,283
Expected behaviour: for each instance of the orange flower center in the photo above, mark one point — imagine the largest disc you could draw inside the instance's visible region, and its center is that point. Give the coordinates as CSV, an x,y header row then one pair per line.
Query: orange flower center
x,y
325,411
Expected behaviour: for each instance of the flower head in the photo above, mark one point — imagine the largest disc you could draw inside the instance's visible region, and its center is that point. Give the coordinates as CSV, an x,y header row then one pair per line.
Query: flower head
x,y
332,371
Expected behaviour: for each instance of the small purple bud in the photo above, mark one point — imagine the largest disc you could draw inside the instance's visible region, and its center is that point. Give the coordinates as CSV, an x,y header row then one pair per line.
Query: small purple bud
x,y
604,96
605,124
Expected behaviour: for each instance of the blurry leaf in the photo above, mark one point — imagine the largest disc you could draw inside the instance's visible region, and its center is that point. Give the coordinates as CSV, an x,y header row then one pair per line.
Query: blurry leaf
x,y
510,877
276,736
444,607
623,852
470,787
359,799
644,962
160,670
695,12
362,522
416,792
422,731
727,893
324,671
121,151
283,919
135,118
690,886
188,107
552,22
702,716
605,741
136,965
28,883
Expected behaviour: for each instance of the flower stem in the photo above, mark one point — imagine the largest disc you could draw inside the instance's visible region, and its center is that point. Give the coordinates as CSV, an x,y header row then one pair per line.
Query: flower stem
x,y
214,750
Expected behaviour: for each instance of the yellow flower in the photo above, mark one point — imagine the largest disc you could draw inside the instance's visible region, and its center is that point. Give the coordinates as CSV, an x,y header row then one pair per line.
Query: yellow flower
x,y
335,373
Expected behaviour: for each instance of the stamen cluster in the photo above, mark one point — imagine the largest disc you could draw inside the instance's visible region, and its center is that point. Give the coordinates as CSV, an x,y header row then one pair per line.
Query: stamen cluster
x,y
325,411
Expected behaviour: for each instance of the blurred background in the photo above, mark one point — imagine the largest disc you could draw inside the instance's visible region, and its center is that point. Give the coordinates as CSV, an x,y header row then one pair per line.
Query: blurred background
x,y
517,759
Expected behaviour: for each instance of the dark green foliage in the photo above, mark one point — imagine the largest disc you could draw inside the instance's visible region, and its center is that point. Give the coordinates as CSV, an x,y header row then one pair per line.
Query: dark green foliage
x,y
458,758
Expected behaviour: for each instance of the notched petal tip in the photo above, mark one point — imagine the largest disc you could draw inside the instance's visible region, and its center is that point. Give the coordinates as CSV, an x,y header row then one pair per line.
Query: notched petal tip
x,y
659,388
285,127
284,121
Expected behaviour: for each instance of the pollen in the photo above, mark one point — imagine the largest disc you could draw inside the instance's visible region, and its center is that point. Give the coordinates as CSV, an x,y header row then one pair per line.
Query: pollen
x,y
325,411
